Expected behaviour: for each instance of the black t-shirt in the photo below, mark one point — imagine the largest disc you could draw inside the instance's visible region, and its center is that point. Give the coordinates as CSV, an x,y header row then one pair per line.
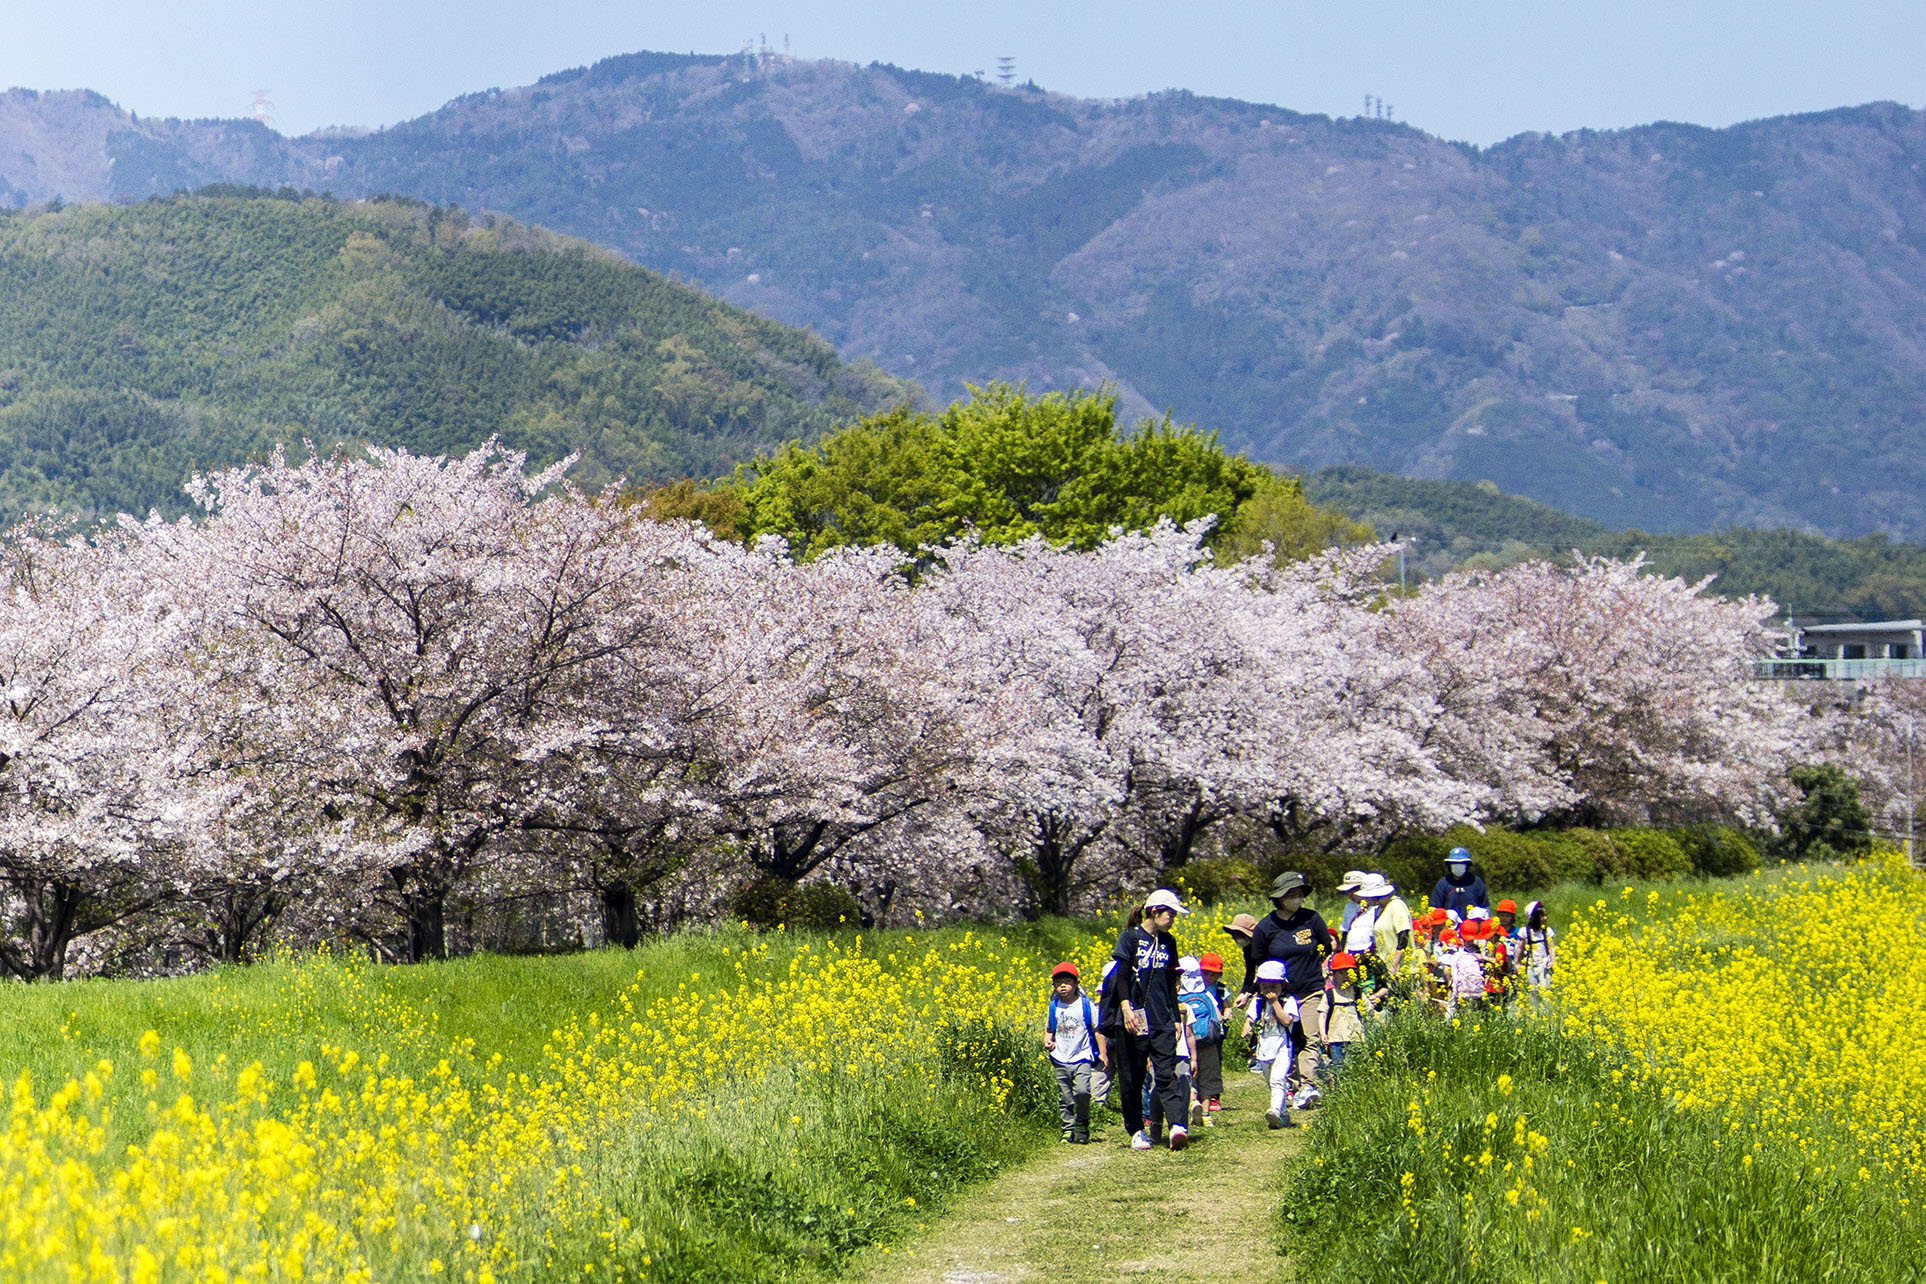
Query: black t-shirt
x,y
1149,962
1300,943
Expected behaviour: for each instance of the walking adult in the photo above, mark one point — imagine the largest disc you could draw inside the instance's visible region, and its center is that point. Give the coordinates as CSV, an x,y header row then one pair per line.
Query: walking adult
x,y
1153,1022
1391,930
1296,936
1461,887
1353,904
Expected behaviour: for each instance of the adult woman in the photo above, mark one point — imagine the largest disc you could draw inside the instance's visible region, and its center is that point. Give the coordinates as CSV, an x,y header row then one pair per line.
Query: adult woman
x,y
1297,937
1460,888
1153,1021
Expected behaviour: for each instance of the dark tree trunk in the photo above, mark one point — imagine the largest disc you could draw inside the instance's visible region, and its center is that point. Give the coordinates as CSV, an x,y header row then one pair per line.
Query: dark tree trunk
x,y
621,925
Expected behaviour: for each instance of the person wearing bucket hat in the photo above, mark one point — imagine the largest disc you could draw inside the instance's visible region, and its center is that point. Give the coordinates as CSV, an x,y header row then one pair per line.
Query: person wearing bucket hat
x,y
1239,929
1296,936
1154,1024
1462,886
1391,930
1349,884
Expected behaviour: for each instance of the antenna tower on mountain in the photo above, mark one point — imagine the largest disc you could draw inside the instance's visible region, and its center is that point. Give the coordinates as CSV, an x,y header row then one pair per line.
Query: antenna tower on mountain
x,y
263,112
1006,68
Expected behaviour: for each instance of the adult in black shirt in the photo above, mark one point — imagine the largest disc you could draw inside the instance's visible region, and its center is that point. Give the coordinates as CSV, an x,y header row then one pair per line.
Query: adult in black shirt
x,y
1298,938
1147,978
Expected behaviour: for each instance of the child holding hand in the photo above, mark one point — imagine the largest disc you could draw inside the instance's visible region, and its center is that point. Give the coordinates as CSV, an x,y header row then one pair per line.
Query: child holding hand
x,y
1272,1014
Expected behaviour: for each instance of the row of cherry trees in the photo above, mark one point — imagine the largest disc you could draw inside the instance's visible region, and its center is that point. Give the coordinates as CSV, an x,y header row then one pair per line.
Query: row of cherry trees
x,y
354,691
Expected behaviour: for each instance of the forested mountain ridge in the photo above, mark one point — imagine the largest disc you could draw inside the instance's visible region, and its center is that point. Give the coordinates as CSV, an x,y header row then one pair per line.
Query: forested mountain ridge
x,y
140,342
1670,327
1448,525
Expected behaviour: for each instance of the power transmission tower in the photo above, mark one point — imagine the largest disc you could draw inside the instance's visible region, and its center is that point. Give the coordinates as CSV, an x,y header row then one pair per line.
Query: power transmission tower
x,y
263,108
1006,68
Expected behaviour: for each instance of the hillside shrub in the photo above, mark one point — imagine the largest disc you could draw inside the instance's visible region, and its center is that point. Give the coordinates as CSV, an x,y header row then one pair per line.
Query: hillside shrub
x,y
1222,878
1646,854
1717,851
772,902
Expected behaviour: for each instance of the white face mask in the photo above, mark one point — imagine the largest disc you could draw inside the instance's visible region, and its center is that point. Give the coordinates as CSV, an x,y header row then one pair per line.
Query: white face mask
x,y
1457,869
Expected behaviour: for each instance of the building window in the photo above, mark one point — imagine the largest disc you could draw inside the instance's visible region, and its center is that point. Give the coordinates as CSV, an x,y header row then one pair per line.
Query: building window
x,y
1852,650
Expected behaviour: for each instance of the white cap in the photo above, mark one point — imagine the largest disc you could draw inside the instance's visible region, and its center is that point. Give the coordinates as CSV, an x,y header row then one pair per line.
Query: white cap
x,y
1164,898
1189,963
1477,911
1353,879
1375,885
1270,970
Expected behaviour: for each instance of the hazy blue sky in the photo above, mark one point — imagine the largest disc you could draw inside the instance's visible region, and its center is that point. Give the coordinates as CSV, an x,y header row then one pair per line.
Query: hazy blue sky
x,y
1478,70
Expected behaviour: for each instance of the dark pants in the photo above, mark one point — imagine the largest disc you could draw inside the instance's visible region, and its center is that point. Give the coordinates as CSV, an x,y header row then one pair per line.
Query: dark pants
x,y
1209,1070
1171,1100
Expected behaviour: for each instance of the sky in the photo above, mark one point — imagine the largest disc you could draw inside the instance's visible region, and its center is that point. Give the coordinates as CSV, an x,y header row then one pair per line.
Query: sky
x,y
1470,70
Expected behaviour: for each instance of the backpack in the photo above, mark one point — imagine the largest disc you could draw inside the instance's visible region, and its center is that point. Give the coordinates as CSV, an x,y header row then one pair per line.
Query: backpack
x,y
1089,1021
1206,1018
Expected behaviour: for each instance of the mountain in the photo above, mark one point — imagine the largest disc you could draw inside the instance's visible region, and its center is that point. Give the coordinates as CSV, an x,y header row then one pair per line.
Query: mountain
x,y
139,342
1673,327
1449,525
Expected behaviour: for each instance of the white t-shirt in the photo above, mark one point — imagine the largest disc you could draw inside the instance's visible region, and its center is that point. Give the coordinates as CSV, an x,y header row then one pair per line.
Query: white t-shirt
x,y
1075,1042
1361,936
1273,1039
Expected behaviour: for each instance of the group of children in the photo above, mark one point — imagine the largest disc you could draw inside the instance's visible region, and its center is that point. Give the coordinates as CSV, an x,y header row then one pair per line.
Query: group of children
x,y
1480,959
1456,962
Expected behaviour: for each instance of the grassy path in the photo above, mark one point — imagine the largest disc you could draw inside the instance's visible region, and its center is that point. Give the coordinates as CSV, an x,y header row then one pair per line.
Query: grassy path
x,y
1106,1212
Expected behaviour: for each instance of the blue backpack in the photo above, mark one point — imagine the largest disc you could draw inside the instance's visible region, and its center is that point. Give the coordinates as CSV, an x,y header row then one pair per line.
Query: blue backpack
x,y
1206,1018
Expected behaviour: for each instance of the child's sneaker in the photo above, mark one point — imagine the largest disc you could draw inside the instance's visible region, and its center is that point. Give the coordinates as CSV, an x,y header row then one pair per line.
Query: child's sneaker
x,y
1140,1142
1068,1135
1197,1114
1305,1096
1213,1105
1276,1119
1179,1137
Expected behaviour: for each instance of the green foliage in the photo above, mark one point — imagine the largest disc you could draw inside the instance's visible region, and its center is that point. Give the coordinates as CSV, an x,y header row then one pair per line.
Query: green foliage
x,y
1717,851
1457,524
813,906
1003,465
1828,821
1218,880
1514,861
138,343
1624,1187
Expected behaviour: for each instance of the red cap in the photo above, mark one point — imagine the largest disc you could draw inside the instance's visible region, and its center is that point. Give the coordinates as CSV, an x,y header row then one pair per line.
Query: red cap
x,y
1342,961
1449,937
1064,969
1210,962
1507,906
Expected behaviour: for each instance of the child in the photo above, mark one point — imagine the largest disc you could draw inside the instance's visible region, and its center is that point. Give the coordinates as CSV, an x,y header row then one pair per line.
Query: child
x,y
1210,1056
1205,1032
1075,1047
1344,1005
1273,1013
1464,975
1536,955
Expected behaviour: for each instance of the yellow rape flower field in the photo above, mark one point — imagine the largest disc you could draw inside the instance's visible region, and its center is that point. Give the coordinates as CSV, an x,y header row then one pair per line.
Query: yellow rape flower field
x,y
712,1107
1794,1009
1727,1082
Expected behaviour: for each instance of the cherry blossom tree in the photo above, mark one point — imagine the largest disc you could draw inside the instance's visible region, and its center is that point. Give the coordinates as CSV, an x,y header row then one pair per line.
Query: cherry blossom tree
x,y
80,636
431,629
1597,692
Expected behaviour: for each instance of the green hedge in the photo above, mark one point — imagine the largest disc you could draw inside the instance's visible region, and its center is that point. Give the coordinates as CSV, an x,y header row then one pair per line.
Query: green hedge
x,y
1521,861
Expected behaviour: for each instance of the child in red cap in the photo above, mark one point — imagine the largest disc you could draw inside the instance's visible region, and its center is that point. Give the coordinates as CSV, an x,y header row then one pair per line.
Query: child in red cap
x,y
1209,1069
1341,1022
1075,1047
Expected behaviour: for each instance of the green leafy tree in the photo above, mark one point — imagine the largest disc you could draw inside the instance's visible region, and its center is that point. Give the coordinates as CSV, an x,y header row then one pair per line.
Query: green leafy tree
x,y
1829,819
1002,464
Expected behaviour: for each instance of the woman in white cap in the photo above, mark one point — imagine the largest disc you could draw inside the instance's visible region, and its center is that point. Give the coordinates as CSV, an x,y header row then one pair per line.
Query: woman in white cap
x,y
1154,1024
